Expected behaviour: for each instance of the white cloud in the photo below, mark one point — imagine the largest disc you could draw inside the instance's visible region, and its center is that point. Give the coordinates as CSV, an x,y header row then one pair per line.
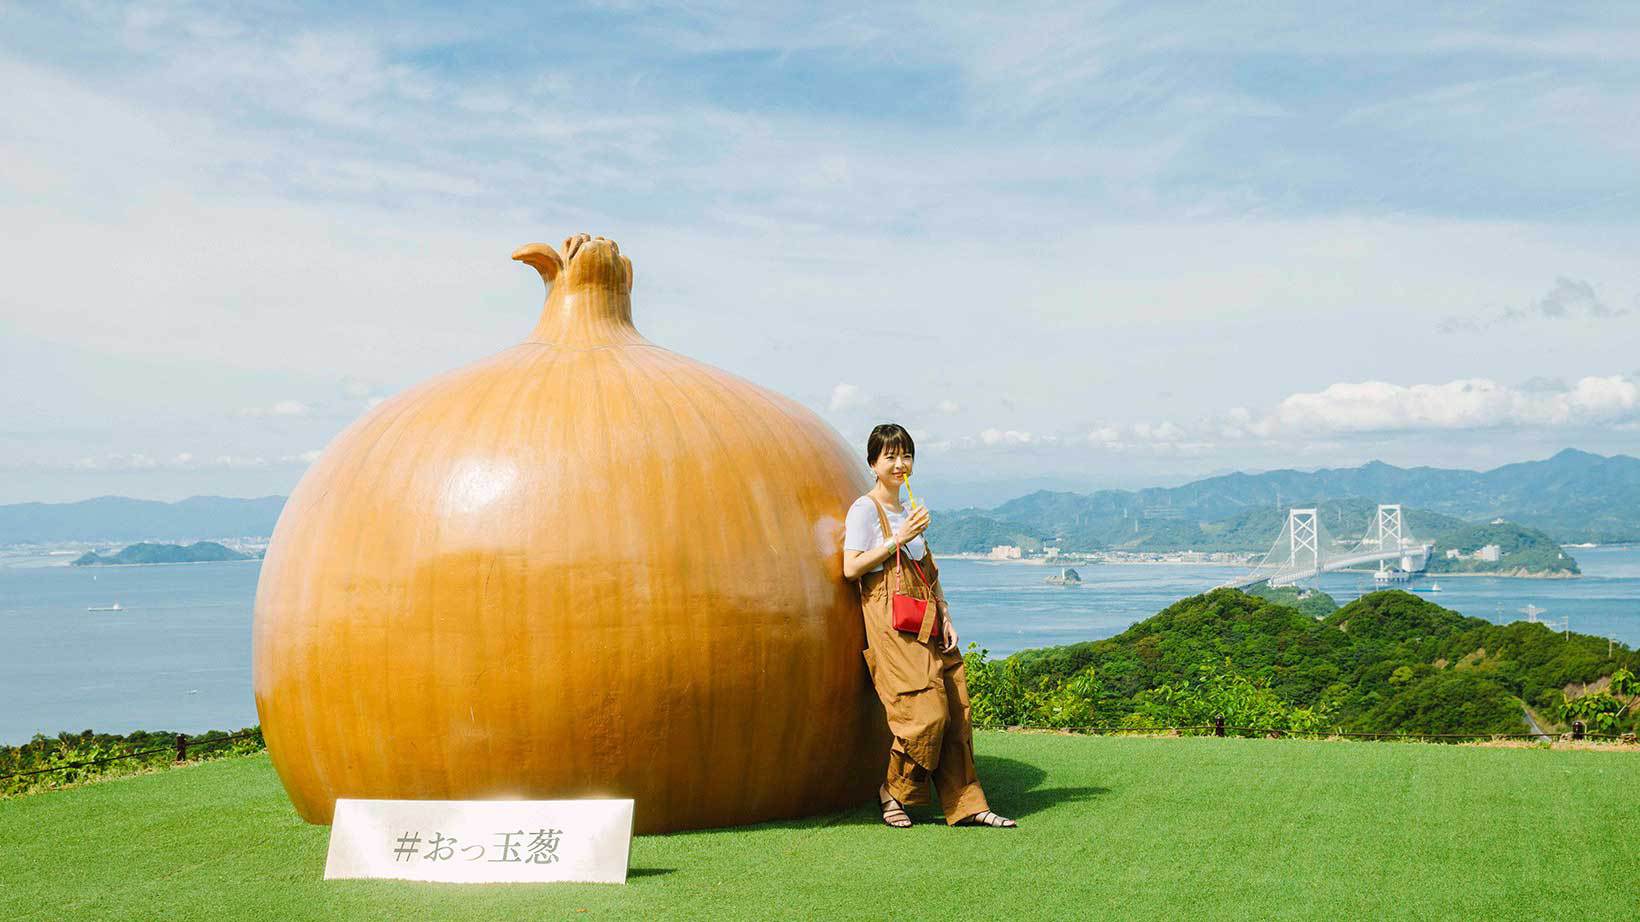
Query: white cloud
x,y
1471,403
179,461
1236,424
845,397
1614,398
358,389
1311,423
1568,299
1573,296
1158,432
1164,437
135,461
995,436
1105,435
281,408
947,407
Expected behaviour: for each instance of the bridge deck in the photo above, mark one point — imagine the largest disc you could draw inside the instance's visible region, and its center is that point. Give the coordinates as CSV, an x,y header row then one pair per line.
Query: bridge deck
x,y
1282,577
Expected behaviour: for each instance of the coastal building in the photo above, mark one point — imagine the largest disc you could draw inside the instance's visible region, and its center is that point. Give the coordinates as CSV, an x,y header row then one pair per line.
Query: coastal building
x,y
1454,554
1489,553
1006,552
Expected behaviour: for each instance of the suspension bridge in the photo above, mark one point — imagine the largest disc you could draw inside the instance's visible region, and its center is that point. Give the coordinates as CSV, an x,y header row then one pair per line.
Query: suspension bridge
x,y
1305,549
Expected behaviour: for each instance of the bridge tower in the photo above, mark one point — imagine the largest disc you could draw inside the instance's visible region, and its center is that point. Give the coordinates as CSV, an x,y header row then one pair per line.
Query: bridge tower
x,y
1302,529
1390,532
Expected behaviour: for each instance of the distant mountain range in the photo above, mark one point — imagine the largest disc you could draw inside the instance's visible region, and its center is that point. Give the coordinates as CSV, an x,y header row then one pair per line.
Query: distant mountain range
x,y
1574,497
120,519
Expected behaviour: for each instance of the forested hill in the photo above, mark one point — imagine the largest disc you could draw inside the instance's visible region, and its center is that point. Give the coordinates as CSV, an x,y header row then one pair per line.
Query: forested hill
x,y
1522,552
198,552
1387,662
1573,497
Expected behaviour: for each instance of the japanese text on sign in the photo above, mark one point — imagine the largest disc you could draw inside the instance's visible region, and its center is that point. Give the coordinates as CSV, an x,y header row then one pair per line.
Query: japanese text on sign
x,y
542,846
476,841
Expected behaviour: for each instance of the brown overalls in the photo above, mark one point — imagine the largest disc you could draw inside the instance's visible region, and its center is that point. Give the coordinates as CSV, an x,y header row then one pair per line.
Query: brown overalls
x,y
924,693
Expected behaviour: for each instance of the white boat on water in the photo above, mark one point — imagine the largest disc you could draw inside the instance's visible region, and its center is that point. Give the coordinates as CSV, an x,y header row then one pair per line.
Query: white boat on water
x,y
114,607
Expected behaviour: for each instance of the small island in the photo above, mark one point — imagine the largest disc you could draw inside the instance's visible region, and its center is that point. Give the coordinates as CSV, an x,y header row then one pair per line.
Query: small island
x,y
1501,548
137,554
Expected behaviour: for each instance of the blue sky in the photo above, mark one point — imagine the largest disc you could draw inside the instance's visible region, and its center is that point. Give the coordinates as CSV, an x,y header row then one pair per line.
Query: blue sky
x,y
1080,246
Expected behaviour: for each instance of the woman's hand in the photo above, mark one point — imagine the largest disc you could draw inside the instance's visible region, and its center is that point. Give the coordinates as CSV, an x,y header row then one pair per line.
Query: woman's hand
x,y
915,524
947,630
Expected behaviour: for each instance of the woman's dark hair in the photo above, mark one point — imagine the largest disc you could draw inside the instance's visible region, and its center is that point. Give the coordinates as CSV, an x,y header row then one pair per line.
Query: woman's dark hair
x,y
889,435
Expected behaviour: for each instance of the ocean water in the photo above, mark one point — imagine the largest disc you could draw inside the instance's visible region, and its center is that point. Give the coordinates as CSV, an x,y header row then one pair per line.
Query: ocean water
x,y
180,657
1007,606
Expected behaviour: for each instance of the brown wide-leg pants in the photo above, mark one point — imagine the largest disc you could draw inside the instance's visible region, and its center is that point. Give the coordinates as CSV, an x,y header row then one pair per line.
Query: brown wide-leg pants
x,y
925,697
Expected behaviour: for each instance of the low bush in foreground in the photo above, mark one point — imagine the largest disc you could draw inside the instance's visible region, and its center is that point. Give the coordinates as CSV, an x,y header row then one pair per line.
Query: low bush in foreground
x,y
47,762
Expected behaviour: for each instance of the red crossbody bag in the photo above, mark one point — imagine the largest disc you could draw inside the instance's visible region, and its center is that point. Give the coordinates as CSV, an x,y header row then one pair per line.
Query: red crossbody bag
x,y
911,615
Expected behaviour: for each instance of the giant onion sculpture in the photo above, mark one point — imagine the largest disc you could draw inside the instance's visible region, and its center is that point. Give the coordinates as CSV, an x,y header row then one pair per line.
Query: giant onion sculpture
x,y
585,566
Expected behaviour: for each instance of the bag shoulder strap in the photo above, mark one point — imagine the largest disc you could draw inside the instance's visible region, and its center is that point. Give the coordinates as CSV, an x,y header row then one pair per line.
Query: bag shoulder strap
x,y
882,519
929,609
882,515
894,572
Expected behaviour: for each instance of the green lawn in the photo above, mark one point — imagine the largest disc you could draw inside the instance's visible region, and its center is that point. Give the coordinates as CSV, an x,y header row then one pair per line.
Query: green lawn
x,y
1129,828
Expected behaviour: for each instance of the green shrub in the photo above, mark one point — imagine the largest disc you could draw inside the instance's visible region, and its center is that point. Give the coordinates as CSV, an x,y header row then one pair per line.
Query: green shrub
x,y
1610,711
1213,693
65,756
1447,702
999,695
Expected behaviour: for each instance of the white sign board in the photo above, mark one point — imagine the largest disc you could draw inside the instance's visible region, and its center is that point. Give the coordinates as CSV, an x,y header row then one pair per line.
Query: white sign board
x,y
481,841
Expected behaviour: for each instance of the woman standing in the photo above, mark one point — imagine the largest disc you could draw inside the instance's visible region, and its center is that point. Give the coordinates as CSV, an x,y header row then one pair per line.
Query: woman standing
x,y
919,676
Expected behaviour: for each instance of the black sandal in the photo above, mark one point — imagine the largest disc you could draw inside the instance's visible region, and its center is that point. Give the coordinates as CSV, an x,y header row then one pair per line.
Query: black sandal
x,y
894,816
987,818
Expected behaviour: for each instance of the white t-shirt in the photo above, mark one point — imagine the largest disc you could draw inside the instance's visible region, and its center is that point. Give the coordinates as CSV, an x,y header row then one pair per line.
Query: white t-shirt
x,y
863,531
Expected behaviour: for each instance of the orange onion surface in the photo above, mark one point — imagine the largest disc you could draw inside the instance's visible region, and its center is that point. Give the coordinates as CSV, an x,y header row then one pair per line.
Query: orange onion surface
x,y
583,567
